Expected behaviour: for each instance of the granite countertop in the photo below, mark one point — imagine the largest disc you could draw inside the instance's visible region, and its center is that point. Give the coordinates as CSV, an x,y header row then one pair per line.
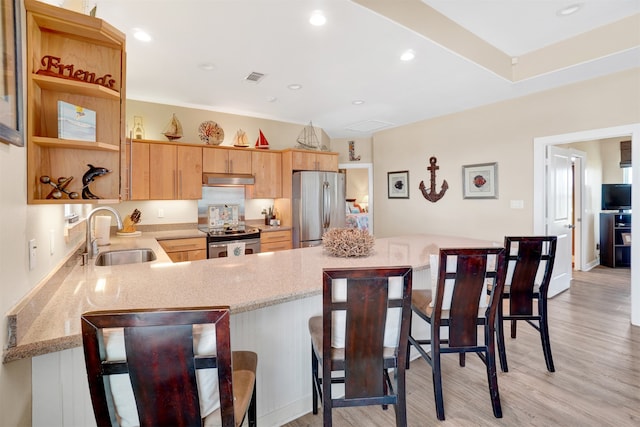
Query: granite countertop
x,y
246,283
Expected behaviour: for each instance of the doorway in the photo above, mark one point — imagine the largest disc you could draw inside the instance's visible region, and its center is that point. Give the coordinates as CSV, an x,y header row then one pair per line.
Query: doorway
x,y
540,195
363,189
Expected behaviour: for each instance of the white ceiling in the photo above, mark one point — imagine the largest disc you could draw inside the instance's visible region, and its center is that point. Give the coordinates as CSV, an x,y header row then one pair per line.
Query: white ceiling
x,y
355,56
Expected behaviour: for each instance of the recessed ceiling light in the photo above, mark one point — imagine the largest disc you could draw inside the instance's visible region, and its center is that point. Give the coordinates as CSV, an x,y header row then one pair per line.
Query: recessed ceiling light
x,y
141,35
317,18
207,66
271,99
569,10
408,55
295,86
358,102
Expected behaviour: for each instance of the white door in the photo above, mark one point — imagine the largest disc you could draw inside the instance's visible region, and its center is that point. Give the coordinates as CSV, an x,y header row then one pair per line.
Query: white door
x,y
559,214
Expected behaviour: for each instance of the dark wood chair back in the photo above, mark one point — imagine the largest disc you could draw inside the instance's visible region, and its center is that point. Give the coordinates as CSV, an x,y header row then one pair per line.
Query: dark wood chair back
x,y
529,267
464,278
475,271
530,261
378,302
161,364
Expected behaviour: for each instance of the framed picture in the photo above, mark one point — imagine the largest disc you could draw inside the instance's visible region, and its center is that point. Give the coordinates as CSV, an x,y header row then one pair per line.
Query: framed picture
x,y
480,181
11,90
626,238
398,185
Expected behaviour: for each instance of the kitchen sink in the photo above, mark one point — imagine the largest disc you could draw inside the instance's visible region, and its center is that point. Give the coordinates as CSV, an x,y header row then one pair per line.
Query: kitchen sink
x,y
125,256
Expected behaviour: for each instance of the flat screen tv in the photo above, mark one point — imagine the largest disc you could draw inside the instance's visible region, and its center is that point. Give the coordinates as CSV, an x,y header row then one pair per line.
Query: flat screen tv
x,y
616,197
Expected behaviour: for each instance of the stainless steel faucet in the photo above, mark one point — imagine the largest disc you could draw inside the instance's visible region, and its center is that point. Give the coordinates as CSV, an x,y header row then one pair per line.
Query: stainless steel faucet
x,y
91,243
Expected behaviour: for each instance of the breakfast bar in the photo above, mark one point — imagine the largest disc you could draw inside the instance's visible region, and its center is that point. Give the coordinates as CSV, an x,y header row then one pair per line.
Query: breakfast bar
x,y
271,296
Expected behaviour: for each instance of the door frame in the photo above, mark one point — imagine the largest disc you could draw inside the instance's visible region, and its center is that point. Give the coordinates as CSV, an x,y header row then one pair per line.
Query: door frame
x,y
369,167
539,190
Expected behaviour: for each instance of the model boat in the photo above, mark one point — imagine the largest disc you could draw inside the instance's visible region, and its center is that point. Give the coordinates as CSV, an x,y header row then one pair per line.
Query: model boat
x,y
308,138
262,142
240,140
173,130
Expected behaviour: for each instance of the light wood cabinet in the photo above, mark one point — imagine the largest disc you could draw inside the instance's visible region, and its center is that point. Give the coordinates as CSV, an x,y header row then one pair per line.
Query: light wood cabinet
x,y
266,167
59,41
226,160
309,160
139,179
272,241
191,249
164,171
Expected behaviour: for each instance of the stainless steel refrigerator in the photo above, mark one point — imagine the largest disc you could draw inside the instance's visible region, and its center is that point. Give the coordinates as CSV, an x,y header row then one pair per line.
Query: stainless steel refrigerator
x,y
318,204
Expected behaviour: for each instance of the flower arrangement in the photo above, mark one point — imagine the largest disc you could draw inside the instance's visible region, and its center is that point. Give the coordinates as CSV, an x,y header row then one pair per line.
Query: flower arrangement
x,y
348,242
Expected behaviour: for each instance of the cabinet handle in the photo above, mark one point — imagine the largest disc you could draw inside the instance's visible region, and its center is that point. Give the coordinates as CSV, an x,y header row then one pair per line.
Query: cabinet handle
x,y
130,185
230,166
180,182
175,183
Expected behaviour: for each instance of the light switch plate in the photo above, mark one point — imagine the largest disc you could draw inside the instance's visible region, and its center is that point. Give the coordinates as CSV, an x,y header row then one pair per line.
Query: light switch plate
x,y
32,254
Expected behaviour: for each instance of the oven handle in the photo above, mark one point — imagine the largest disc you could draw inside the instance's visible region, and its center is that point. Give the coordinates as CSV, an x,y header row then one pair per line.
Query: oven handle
x,y
225,244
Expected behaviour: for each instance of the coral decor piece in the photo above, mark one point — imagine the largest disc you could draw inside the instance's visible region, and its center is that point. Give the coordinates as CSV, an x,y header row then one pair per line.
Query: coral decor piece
x,y
210,133
348,242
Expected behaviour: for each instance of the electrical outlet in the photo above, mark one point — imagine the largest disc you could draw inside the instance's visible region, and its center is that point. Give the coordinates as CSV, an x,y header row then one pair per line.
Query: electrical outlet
x,y
160,213
32,254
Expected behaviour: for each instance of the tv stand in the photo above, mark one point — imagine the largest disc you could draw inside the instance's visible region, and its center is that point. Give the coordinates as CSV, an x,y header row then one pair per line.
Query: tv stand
x,y
615,239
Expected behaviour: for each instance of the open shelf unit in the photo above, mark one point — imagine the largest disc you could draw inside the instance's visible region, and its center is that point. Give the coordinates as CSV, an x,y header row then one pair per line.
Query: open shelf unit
x,y
615,239
91,47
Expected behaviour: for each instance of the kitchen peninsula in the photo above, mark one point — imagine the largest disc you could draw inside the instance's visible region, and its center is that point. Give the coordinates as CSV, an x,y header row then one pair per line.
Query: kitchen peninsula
x,y
271,296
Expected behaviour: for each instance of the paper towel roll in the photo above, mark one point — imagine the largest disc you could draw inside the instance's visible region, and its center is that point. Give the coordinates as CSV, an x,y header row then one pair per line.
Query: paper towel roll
x,y
102,225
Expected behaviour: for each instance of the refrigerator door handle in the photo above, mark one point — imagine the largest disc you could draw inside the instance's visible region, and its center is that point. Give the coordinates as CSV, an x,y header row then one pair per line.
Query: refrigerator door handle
x,y
326,211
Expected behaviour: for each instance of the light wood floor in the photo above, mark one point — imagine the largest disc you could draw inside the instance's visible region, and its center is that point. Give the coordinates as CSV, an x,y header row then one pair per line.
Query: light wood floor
x,y
596,353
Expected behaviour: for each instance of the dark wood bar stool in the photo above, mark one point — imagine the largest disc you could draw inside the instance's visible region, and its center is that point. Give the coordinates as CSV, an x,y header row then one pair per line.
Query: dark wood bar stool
x,y
459,309
529,267
363,331
166,359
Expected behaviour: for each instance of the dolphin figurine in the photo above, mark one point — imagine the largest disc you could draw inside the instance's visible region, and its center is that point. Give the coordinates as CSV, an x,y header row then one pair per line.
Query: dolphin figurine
x,y
93,173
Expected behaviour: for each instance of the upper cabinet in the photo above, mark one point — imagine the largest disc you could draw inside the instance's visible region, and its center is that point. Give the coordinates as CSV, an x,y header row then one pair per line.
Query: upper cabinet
x,y
312,160
226,160
266,167
164,171
75,106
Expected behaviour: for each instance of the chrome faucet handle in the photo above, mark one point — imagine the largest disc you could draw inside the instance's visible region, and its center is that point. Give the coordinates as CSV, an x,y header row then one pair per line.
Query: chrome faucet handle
x,y
94,247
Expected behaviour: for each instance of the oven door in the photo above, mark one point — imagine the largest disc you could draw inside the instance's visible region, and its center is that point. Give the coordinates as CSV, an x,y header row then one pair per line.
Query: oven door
x,y
219,249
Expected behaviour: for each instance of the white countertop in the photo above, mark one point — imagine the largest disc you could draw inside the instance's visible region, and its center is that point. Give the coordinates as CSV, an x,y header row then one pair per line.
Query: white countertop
x,y
247,283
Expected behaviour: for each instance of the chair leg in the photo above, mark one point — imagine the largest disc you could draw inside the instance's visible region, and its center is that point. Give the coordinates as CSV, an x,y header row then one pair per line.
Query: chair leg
x,y
253,412
462,359
314,381
492,374
401,405
513,328
437,384
544,335
502,351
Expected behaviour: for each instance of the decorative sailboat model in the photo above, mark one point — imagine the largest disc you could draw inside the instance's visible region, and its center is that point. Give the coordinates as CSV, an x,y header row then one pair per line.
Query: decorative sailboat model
x,y
262,142
240,140
308,138
173,130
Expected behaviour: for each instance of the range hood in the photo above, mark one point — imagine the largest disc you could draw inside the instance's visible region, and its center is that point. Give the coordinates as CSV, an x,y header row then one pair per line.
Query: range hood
x,y
215,179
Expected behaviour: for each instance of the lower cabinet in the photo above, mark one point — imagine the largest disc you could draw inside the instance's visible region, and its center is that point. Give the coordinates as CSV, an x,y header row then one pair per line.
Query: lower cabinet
x,y
191,249
272,241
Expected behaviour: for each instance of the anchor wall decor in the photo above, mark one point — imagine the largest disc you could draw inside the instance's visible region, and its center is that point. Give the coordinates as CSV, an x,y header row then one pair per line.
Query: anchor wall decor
x,y
431,194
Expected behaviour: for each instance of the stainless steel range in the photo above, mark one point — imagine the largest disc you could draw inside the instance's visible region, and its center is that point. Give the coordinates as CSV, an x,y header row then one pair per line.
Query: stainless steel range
x,y
220,239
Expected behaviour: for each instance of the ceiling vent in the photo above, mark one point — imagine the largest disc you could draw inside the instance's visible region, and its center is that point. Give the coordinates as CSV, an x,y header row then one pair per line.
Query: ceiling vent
x,y
368,126
254,77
